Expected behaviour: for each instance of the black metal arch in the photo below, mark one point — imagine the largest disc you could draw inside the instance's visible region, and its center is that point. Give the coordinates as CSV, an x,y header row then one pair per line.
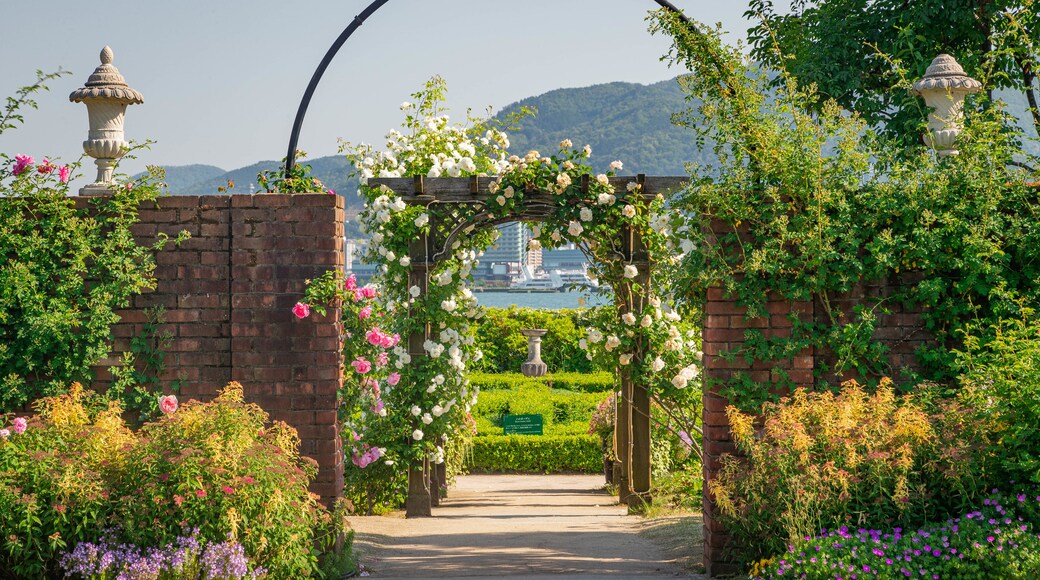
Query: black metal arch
x,y
301,112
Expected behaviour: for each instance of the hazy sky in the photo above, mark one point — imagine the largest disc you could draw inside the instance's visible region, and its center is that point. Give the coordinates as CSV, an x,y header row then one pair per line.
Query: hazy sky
x,y
222,78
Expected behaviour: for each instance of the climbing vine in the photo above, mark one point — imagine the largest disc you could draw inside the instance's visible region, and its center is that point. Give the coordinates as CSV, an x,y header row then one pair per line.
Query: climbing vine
x,y
806,204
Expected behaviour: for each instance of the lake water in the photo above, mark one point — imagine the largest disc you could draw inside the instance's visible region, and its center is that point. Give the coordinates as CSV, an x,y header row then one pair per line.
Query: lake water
x,y
551,300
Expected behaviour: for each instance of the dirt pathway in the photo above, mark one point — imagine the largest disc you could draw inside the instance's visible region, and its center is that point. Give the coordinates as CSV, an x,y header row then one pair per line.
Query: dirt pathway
x,y
528,526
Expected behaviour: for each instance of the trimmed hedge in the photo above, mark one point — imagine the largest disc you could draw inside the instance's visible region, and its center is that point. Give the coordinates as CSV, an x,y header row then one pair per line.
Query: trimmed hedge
x,y
556,407
532,453
597,382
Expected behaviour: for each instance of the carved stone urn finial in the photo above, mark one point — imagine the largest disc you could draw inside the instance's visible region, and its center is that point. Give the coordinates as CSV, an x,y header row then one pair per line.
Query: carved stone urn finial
x,y
943,88
534,367
106,96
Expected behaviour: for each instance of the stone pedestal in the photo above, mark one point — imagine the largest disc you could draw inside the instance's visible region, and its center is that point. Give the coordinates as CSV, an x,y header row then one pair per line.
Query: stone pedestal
x,y
534,367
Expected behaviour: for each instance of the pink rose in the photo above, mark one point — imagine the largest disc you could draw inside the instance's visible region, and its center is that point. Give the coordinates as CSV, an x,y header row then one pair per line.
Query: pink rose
x,y
375,337
377,406
20,425
63,173
351,283
301,310
368,292
361,365
200,493
45,167
330,192
4,433
396,339
20,163
365,313
382,359
168,404
393,379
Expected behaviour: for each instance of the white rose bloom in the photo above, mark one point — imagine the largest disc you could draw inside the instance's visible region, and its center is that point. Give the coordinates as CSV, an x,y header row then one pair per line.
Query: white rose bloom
x,y
467,164
398,205
595,335
405,261
536,230
646,321
439,379
422,220
377,238
566,144
406,106
628,318
556,236
679,381
655,302
602,179
390,256
628,211
431,388
414,291
437,410
687,246
454,171
416,411
616,165
563,181
427,418
583,344
625,359
612,343
604,199
632,186
501,200
534,245
587,150
575,228
509,192
405,358
435,171
585,214
493,187
382,412
657,365
631,271
417,435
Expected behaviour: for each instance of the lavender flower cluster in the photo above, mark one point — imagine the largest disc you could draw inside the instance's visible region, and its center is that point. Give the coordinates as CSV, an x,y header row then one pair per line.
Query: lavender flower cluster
x,y
997,540
183,558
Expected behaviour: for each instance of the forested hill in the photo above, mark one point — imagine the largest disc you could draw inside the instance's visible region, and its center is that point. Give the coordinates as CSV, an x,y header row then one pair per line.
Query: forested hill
x,y
625,121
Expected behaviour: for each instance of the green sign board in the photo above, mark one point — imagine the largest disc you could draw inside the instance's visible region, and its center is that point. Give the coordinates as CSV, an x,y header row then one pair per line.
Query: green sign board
x,y
522,424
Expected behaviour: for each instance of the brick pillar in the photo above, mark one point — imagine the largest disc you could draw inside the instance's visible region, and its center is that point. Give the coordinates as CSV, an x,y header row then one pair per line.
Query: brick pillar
x,y
724,325
290,367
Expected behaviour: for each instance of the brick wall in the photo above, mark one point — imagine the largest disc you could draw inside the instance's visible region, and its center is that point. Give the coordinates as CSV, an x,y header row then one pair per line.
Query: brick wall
x,y
724,326
228,293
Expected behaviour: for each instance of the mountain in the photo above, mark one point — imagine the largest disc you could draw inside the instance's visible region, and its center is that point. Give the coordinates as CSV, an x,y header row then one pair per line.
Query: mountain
x,y
182,176
624,121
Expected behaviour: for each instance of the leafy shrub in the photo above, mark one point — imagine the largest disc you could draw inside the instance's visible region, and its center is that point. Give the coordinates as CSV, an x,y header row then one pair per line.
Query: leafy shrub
x,y
998,540
822,460
556,407
218,467
531,453
187,558
595,382
1001,366
498,336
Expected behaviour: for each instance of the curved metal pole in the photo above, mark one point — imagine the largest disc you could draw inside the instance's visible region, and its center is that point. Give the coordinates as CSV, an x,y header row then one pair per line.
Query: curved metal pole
x,y
294,137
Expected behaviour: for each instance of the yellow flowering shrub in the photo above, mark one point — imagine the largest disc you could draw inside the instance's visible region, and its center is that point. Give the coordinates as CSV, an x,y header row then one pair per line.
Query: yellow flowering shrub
x,y
822,460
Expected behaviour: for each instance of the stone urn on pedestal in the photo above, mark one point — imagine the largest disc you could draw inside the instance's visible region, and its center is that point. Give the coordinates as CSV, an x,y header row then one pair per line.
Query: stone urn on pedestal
x,y
106,96
534,367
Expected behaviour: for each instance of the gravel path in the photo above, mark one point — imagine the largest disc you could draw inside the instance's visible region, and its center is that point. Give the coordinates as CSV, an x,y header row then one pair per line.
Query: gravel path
x,y
531,526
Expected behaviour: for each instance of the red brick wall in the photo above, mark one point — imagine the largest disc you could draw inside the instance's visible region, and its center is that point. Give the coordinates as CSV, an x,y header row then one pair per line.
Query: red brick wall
x,y
228,293
724,326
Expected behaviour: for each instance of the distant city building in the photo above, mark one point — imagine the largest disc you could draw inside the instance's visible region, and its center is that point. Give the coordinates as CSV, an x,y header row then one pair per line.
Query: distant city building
x,y
566,257
509,252
353,250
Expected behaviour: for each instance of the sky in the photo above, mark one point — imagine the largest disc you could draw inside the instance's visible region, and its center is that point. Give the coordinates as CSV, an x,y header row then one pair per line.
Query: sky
x,y
222,79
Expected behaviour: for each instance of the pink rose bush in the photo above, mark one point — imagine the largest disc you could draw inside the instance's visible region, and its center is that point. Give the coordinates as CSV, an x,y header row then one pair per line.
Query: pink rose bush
x,y
168,404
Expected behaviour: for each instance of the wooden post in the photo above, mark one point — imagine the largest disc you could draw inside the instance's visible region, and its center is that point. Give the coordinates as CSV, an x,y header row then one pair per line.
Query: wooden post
x,y
637,394
623,439
419,502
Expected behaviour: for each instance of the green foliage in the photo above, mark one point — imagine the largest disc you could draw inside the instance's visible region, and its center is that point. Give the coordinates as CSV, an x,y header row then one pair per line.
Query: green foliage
x,y
596,382
67,268
218,466
806,203
505,349
1001,371
821,460
842,46
137,378
980,544
531,453
556,407
297,180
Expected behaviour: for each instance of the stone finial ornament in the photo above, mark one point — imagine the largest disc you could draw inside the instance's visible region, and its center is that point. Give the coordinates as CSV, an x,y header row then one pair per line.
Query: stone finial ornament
x,y
534,367
106,96
943,88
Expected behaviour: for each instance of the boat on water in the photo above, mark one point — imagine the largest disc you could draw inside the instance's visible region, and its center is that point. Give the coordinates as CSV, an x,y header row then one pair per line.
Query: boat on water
x,y
551,281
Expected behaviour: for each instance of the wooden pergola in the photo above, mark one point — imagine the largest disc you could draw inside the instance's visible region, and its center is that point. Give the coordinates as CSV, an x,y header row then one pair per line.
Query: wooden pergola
x,y
463,209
